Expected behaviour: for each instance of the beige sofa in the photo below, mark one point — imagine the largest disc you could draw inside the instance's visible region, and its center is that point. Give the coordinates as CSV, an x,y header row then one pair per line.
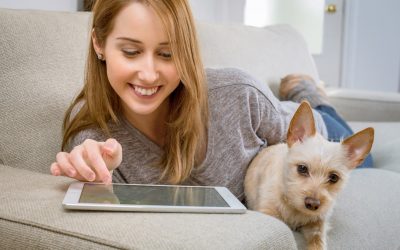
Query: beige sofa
x,y
41,70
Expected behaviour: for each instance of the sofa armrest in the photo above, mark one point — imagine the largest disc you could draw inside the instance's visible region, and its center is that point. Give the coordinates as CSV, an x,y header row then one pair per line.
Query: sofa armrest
x,y
31,206
361,105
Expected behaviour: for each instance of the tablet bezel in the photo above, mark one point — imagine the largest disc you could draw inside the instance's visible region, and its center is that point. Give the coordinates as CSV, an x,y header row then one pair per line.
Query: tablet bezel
x,y
72,196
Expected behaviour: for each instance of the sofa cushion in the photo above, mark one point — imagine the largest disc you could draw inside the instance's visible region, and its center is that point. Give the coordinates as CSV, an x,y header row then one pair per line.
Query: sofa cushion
x,y
366,215
31,206
43,55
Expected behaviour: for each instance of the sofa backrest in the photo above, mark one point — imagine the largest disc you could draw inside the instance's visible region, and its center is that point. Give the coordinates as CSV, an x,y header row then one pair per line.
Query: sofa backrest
x,y
41,70
268,54
42,64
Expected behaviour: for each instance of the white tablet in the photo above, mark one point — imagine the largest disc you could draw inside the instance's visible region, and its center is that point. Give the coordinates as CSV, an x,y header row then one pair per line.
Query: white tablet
x,y
151,198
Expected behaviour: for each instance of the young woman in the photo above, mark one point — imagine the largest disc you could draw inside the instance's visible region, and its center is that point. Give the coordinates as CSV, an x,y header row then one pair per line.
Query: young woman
x,y
150,113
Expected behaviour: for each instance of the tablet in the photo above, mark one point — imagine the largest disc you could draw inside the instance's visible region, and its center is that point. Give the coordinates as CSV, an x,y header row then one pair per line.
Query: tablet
x,y
151,198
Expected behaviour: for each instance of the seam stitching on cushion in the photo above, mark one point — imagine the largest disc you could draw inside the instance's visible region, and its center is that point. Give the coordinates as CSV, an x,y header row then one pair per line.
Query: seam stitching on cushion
x,y
71,234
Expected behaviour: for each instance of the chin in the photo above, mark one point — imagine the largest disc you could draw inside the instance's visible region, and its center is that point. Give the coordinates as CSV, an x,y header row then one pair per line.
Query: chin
x,y
143,112
135,108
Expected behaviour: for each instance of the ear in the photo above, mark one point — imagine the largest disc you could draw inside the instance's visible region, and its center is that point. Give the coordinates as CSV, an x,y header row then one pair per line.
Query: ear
x,y
302,124
358,146
96,45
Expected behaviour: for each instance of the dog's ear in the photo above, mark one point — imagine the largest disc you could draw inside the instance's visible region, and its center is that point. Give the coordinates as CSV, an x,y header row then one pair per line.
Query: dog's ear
x,y
302,124
358,146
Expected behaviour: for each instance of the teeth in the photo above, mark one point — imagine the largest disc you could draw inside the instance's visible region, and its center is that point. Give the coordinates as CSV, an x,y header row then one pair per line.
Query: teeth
x,y
146,92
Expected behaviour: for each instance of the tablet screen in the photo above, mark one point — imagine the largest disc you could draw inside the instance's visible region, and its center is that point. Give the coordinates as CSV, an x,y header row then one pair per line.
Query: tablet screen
x,y
152,195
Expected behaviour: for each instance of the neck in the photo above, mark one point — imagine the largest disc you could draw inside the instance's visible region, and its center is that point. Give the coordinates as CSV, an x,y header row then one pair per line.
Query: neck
x,y
152,125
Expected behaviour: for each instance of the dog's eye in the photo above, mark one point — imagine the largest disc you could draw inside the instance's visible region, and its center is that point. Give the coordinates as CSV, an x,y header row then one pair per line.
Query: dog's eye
x,y
302,169
333,178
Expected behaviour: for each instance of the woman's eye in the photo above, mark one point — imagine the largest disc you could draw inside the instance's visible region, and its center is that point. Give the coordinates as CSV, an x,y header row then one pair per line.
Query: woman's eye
x,y
166,55
130,52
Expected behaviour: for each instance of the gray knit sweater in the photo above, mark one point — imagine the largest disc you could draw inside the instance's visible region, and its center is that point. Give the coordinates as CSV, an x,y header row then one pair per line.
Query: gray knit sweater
x,y
244,117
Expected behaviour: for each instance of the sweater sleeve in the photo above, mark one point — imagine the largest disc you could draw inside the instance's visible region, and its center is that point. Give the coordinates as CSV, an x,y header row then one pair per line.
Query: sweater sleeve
x,y
275,119
270,116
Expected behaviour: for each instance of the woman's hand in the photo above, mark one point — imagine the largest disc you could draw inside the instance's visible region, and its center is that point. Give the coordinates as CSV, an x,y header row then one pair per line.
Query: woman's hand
x,y
90,161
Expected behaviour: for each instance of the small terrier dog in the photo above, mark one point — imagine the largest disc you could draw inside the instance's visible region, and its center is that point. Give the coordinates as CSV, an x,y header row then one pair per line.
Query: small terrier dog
x,y
298,181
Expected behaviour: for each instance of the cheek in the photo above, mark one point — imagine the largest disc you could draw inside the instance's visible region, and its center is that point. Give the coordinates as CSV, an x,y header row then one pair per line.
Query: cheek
x,y
117,72
171,73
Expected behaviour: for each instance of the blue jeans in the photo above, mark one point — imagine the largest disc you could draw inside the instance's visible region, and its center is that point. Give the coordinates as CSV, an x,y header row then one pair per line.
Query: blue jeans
x,y
338,129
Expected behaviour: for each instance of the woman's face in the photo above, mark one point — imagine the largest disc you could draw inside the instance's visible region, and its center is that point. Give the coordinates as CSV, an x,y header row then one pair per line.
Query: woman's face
x,y
139,62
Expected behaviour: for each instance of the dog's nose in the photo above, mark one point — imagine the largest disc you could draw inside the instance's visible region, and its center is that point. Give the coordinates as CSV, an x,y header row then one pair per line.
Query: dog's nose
x,y
311,203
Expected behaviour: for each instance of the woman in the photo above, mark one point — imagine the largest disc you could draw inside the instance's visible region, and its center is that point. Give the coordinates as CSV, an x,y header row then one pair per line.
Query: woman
x,y
147,98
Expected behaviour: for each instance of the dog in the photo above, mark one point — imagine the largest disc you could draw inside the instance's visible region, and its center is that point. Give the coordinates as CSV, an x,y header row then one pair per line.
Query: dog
x,y
298,181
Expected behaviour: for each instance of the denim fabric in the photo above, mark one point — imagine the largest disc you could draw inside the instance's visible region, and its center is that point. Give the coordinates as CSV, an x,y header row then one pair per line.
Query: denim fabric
x,y
338,129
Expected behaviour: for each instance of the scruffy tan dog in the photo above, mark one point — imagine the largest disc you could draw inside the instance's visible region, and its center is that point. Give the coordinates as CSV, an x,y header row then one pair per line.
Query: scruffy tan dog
x,y
298,182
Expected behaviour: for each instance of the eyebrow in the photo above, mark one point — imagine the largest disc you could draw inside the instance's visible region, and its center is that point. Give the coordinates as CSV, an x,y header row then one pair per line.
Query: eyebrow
x,y
137,41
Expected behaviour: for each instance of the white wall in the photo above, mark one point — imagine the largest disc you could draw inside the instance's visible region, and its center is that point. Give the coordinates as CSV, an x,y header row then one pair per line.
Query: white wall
x,y
304,15
218,11
59,5
371,57
261,13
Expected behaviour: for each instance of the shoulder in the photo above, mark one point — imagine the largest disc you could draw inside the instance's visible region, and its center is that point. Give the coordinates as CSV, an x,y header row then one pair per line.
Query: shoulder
x,y
232,82
227,77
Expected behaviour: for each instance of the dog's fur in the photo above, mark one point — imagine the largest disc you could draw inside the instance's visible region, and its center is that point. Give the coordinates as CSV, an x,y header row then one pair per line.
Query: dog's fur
x,y
298,181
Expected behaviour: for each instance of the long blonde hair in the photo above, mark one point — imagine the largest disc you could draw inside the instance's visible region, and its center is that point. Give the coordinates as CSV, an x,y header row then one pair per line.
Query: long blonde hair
x,y
188,118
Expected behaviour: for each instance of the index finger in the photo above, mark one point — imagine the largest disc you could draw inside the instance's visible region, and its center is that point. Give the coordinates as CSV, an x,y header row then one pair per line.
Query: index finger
x,y
95,160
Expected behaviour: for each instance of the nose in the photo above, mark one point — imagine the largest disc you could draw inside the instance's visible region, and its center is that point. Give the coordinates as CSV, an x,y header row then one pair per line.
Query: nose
x,y
312,203
148,72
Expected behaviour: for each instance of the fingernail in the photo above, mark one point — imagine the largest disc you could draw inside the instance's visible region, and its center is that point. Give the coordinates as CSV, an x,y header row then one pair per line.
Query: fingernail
x,y
92,177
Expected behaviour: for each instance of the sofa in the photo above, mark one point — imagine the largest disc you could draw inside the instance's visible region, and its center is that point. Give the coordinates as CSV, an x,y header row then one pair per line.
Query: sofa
x,y
41,70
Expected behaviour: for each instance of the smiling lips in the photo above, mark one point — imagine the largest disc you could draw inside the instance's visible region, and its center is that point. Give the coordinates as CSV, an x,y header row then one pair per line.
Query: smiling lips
x,y
145,91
